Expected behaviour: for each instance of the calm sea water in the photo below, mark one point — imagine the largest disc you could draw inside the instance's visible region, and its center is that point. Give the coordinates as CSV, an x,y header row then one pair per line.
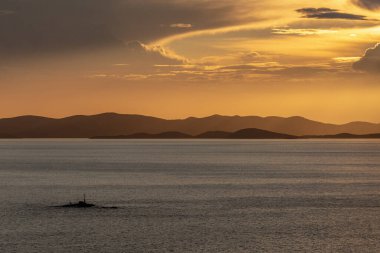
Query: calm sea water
x,y
190,196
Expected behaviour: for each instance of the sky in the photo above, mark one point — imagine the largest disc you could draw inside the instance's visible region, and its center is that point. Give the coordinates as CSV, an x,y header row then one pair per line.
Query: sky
x,y
180,58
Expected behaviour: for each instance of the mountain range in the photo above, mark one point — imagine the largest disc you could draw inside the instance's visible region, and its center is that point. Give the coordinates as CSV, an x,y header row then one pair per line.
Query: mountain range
x,y
113,124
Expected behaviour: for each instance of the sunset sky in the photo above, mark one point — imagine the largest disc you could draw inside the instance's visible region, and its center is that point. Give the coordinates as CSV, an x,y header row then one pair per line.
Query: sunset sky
x,y
180,58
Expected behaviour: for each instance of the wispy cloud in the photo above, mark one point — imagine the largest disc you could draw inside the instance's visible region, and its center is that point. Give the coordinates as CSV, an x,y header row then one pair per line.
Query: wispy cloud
x,y
260,71
350,59
302,32
181,25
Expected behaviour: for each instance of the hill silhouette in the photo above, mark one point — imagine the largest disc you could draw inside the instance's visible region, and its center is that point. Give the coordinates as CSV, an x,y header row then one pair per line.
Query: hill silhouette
x,y
166,135
346,136
113,124
250,133
214,135
253,133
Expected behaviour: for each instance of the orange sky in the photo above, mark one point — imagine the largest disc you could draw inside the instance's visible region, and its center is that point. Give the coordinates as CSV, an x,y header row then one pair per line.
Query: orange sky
x,y
192,58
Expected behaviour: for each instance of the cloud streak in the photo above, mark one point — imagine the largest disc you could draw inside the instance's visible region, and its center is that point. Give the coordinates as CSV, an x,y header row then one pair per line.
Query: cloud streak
x,y
327,13
301,32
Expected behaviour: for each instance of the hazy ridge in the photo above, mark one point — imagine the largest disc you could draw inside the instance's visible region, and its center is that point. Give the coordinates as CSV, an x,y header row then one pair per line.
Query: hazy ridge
x,y
113,124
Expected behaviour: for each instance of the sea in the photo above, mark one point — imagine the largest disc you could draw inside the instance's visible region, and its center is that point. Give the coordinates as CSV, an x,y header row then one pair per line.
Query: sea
x,y
190,195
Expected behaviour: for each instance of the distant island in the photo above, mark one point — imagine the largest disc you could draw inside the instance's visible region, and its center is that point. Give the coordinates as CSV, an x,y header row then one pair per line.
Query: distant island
x,y
251,133
129,126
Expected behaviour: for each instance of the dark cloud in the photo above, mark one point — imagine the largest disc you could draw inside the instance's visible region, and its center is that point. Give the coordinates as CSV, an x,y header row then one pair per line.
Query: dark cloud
x,y
38,27
370,62
368,4
327,13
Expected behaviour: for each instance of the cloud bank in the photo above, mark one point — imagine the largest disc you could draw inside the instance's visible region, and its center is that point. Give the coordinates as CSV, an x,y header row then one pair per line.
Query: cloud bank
x,y
370,62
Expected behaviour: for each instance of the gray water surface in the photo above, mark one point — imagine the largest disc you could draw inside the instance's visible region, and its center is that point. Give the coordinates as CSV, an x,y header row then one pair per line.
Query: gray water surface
x,y
190,195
